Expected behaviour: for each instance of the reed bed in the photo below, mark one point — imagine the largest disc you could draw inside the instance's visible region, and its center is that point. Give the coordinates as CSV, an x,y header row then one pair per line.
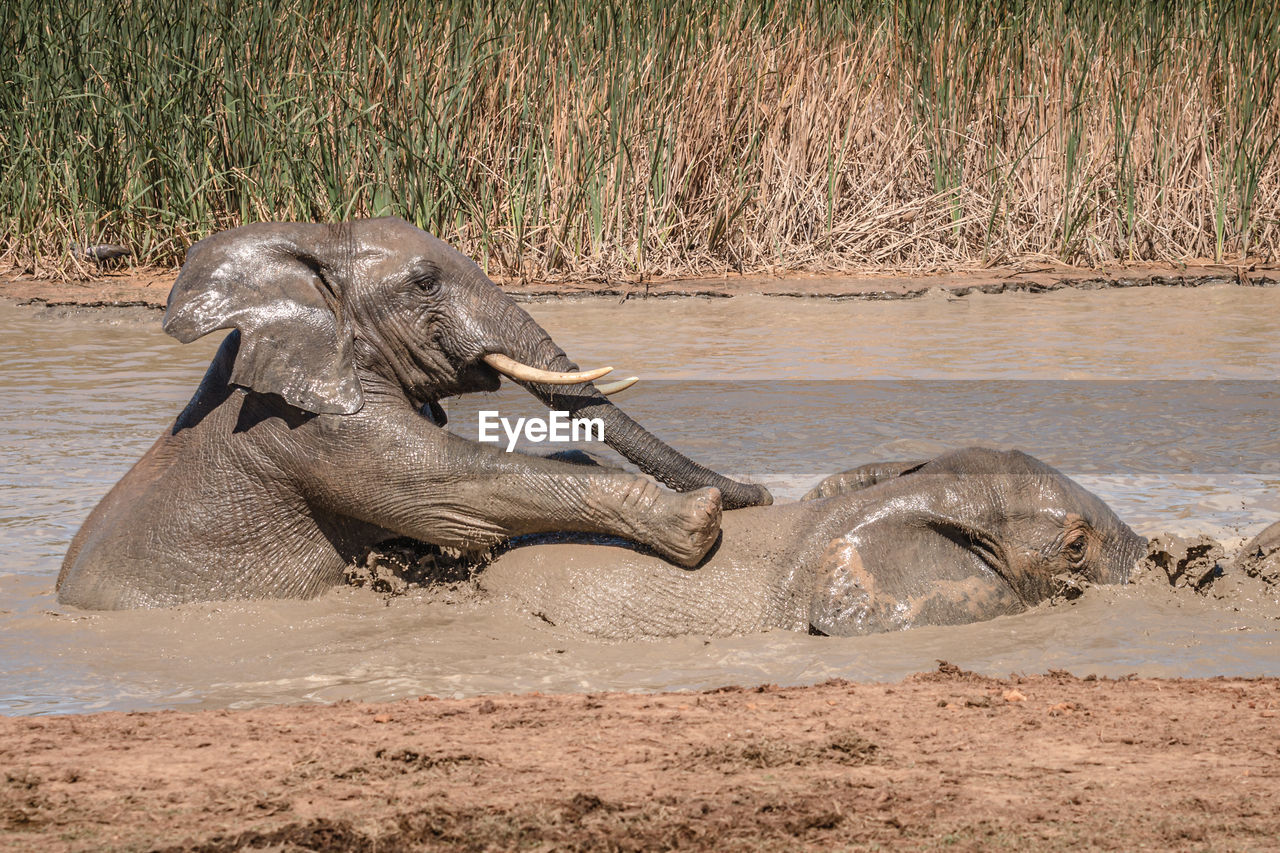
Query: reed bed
x,y
672,137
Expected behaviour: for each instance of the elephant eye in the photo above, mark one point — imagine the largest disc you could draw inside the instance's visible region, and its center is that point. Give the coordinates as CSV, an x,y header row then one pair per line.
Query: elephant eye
x,y
1075,548
425,279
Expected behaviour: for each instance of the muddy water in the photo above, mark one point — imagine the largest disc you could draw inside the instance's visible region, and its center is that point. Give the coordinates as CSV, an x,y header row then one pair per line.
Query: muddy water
x,y
1165,402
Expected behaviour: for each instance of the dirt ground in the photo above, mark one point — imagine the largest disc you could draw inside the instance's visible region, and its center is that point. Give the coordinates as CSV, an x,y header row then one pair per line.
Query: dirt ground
x,y
942,760
150,287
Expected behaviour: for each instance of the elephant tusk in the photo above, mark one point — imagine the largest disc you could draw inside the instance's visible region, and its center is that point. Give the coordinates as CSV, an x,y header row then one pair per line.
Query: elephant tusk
x,y
524,373
614,387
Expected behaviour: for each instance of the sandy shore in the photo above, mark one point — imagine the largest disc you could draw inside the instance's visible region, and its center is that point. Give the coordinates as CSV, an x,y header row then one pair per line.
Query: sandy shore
x,y
150,288
946,759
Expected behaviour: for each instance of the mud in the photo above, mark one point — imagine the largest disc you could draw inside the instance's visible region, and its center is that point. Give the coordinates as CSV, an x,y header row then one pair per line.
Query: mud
x,y
948,759
1242,582
399,566
1183,562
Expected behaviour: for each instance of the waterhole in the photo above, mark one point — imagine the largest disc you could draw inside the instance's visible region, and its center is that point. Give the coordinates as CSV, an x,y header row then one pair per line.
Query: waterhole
x,y
1163,401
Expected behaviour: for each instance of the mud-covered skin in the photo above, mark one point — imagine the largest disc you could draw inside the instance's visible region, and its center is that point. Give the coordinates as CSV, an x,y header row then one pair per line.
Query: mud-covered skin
x,y
1260,557
965,537
305,444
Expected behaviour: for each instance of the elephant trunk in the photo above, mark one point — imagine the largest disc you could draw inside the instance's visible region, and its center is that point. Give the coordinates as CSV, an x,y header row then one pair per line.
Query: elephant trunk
x,y
531,344
650,453
1125,549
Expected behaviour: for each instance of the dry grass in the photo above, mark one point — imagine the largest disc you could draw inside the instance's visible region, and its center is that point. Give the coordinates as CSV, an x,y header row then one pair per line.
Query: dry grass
x,y
604,139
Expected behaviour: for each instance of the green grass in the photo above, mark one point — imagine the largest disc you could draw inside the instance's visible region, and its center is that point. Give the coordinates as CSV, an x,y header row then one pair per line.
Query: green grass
x,y
597,138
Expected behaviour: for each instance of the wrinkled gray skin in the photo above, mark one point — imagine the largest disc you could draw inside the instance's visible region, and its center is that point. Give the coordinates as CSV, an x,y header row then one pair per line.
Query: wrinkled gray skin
x,y
306,443
965,537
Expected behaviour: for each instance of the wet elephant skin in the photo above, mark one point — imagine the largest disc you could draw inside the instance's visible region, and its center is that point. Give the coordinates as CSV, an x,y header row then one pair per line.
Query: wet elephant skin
x,y
307,441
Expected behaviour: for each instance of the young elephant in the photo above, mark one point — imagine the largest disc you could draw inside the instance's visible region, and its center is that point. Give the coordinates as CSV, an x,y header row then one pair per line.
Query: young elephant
x,y
965,537
306,443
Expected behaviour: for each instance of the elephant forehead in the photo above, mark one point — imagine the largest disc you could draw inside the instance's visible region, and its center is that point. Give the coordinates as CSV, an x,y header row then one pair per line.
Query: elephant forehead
x,y
1079,505
394,239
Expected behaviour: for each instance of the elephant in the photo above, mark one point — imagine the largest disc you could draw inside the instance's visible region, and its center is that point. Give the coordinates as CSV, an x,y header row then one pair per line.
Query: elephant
x,y
1260,556
967,536
317,430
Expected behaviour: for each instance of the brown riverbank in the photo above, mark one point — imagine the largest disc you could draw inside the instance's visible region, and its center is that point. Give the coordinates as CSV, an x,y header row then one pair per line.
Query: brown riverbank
x,y
946,759
150,287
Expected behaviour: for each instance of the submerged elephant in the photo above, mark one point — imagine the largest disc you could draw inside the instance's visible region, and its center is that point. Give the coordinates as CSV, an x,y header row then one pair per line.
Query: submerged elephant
x,y
309,441
968,536
1260,557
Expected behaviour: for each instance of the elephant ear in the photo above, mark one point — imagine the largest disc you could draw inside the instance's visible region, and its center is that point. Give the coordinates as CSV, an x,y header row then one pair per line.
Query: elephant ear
x,y
269,282
909,559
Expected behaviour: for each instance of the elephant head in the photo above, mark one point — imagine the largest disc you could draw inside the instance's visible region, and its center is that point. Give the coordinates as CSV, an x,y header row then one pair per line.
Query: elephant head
x,y
967,536
328,315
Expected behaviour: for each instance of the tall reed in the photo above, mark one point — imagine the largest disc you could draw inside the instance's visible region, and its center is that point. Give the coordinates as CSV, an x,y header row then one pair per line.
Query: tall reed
x,y
660,137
